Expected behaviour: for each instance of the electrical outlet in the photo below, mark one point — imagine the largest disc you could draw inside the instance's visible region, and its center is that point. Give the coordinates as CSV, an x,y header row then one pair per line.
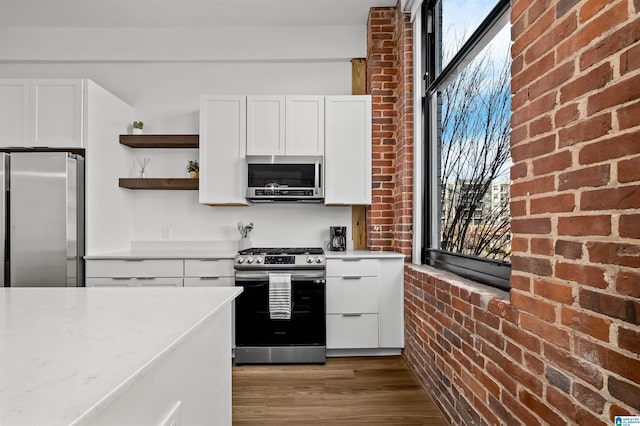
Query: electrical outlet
x,y
165,232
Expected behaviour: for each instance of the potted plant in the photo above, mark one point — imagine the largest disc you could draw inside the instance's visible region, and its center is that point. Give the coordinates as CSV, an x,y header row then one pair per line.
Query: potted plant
x,y
137,127
193,168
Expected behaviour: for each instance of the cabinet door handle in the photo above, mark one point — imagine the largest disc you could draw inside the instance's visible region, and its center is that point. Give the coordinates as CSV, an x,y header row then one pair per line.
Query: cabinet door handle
x,y
209,260
145,278
352,277
351,259
121,278
352,315
209,278
133,260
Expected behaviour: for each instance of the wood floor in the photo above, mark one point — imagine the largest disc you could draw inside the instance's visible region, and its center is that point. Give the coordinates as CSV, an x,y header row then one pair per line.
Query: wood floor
x,y
345,391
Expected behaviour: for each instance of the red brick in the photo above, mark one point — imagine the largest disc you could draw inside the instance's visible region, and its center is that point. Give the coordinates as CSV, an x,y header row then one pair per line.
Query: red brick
x,y
518,134
535,148
568,249
519,410
552,333
615,94
553,204
533,109
553,79
613,306
592,276
609,359
591,399
518,170
629,339
629,170
629,226
630,60
536,10
586,177
605,199
628,116
552,163
629,393
518,208
628,283
566,361
617,146
585,130
584,322
533,265
595,79
537,307
553,290
612,253
534,186
540,125
519,282
550,417
592,7
521,337
531,226
566,115
584,225
530,34
623,37
564,6
542,246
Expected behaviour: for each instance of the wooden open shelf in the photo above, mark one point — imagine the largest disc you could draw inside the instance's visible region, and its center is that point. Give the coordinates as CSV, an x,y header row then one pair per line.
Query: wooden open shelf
x,y
160,141
171,184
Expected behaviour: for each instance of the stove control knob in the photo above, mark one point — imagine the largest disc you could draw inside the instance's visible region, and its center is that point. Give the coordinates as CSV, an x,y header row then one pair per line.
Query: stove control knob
x,y
318,259
258,260
240,260
309,259
250,260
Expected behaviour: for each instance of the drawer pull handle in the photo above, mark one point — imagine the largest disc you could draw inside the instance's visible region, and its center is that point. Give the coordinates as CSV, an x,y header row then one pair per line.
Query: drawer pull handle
x,y
121,278
209,260
209,278
145,278
352,277
351,259
352,315
134,260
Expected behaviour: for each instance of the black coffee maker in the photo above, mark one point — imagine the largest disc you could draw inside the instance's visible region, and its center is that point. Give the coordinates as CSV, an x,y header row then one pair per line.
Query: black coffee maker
x,y
337,238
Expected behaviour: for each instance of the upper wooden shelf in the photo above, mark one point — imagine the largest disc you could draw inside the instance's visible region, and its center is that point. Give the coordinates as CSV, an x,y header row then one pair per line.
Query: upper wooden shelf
x,y
170,184
160,141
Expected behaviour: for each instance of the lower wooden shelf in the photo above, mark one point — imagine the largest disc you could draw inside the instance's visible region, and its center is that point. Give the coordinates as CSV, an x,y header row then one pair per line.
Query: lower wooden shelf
x,y
172,184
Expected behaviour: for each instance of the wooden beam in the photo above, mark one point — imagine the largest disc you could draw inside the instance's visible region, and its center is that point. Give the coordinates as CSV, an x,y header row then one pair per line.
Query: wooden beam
x,y
359,213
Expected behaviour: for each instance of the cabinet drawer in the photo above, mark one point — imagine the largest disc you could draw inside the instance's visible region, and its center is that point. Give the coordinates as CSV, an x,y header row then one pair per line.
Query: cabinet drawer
x,y
135,268
358,295
209,282
346,331
208,268
352,266
110,282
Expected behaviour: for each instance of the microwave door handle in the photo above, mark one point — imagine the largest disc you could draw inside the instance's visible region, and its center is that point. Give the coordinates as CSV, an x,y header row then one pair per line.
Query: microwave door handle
x,y
316,183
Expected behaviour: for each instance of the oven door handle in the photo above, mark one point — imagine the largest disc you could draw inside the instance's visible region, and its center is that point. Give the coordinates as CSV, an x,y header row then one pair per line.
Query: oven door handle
x,y
298,276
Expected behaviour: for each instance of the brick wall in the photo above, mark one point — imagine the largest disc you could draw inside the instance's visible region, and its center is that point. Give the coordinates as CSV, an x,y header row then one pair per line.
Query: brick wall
x,y
564,346
390,83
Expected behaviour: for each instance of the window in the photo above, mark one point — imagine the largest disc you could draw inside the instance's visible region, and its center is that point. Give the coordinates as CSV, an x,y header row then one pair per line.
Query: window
x,y
467,107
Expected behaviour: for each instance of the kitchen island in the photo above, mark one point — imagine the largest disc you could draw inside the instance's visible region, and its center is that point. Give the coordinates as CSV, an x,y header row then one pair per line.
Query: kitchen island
x,y
126,356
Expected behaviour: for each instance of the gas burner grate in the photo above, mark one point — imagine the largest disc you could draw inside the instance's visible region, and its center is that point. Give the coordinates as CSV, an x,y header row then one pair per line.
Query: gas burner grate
x,y
283,251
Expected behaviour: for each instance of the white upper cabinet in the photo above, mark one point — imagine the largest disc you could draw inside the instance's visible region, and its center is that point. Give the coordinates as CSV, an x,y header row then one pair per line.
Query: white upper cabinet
x,y
304,125
223,169
265,125
14,113
285,125
42,113
348,150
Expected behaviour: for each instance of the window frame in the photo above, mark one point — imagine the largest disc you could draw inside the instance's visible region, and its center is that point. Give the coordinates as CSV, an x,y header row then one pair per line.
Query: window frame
x,y
487,271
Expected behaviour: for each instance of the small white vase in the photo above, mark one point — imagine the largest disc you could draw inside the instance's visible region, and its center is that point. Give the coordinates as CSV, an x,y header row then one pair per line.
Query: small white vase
x,y
136,131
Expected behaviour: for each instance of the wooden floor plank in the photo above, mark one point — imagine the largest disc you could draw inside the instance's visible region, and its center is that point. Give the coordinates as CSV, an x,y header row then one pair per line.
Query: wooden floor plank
x,y
345,391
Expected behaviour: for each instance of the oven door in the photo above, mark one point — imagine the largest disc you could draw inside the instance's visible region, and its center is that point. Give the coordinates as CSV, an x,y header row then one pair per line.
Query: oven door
x,y
307,324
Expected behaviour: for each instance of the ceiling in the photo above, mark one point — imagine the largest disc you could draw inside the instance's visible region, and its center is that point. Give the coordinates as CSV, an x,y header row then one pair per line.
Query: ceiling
x,y
184,13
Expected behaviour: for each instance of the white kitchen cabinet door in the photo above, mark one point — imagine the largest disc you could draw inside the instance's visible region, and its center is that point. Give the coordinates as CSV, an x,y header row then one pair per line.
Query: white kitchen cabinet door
x,y
304,125
223,138
265,125
352,331
347,150
14,113
391,303
56,113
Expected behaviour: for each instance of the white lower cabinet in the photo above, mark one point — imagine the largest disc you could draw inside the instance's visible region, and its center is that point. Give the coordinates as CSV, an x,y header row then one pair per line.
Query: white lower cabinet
x,y
208,273
365,303
134,273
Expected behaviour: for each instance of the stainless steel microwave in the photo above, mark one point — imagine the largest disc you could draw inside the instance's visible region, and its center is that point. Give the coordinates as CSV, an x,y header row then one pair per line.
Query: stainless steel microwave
x,y
285,182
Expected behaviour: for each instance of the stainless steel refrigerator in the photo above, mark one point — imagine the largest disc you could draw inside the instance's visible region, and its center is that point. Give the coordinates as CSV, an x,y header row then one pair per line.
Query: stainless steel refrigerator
x,y
43,215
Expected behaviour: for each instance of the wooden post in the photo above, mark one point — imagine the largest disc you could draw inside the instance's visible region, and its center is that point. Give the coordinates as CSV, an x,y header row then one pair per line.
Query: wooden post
x,y
358,213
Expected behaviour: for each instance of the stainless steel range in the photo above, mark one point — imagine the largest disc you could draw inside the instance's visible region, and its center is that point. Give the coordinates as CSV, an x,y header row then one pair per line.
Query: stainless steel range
x,y
280,315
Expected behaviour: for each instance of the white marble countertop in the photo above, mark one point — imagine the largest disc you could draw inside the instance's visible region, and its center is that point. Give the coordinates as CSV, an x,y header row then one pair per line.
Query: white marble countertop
x,y
164,254
65,352
364,254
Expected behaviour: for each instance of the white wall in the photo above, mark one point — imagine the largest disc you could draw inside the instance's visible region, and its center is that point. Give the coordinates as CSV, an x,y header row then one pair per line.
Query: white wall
x,y
162,73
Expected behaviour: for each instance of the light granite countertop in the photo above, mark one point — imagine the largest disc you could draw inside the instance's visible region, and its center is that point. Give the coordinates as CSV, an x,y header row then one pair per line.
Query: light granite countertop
x,y
64,352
